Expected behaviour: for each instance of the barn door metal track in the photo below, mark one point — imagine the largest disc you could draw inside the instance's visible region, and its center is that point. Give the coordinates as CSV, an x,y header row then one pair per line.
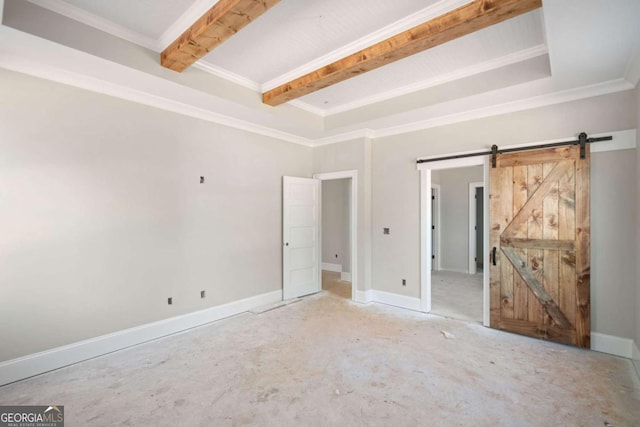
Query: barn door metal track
x,y
582,141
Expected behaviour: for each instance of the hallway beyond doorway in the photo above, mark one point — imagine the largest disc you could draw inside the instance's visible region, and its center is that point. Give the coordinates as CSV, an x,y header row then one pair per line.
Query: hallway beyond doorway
x,y
457,295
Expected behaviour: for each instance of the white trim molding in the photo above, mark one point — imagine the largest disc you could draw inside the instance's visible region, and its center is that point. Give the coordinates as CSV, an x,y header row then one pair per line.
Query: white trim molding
x,y
492,64
78,69
364,297
39,363
336,268
396,300
426,222
353,226
28,54
611,344
473,187
544,100
87,18
227,75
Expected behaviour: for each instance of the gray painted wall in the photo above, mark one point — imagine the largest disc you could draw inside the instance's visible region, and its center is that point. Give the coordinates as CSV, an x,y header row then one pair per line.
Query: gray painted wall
x,y
345,156
103,216
396,192
336,223
454,216
613,213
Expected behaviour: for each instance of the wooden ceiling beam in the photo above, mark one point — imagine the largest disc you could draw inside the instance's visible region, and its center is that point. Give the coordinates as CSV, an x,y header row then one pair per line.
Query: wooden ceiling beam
x,y
465,20
223,20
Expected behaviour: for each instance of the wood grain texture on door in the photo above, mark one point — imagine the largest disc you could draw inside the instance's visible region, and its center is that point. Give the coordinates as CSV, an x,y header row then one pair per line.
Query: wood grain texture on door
x,y
540,229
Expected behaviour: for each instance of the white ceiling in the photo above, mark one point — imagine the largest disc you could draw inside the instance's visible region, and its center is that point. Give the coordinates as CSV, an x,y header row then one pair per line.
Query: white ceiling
x,y
574,44
434,66
296,32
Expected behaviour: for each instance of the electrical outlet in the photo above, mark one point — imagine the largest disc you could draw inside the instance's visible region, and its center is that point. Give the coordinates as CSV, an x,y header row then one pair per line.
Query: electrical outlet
x,y
202,180
386,230
202,294
404,282
170,301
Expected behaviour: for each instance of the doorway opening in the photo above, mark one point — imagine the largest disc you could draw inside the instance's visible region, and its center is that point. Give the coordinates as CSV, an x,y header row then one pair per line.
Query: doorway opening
x,y
338,235
450,284
476,230
456,290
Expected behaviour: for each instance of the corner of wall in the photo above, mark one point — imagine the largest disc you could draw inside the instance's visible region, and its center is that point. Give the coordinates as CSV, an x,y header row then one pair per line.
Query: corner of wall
x,y
636,350
368,186
636,358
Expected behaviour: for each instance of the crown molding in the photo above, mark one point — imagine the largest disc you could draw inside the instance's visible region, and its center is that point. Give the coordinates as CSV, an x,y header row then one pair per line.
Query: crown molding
x,y
503,61
384,33
492,64
227,75
77,14
344,137
559,97
122,82
42,58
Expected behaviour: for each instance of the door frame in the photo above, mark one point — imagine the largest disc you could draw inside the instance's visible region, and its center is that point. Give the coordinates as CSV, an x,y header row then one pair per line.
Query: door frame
x,y
436,221
353,244
473,186
426,222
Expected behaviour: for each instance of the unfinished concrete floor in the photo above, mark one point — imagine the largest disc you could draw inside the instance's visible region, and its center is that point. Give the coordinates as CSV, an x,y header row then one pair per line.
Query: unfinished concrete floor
x,y
328,361
457,295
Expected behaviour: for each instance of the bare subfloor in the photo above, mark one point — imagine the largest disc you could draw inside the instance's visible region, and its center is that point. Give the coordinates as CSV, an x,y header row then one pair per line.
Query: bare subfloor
x,y
457,295
328,361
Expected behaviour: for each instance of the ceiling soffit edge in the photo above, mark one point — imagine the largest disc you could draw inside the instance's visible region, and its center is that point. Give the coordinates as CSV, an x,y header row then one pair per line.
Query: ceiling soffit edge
x,y
97,22
492,64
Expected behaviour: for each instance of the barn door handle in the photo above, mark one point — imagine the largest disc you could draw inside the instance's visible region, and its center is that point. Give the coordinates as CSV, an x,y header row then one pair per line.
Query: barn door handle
x,y
494,255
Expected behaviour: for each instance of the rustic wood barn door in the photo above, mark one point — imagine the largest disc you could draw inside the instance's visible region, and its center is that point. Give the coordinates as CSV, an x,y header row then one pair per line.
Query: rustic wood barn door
x,y
540,269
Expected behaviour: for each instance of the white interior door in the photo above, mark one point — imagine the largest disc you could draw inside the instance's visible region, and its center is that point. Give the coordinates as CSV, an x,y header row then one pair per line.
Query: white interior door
x,y
300,237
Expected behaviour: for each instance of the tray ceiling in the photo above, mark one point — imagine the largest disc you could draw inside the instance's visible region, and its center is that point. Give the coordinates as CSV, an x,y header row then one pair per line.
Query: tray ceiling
x,y
540,55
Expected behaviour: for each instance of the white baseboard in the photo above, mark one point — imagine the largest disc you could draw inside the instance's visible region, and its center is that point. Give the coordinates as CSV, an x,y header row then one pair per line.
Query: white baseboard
x,y
38,363
402,301
332,267
610,344
453,270
364,297
345,277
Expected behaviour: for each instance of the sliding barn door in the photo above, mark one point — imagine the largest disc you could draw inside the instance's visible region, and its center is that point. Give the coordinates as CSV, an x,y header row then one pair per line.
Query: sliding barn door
x,y
540,244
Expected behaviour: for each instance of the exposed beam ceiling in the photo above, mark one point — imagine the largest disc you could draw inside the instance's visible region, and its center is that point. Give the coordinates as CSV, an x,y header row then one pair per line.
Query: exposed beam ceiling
x,y
465,20
223,20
